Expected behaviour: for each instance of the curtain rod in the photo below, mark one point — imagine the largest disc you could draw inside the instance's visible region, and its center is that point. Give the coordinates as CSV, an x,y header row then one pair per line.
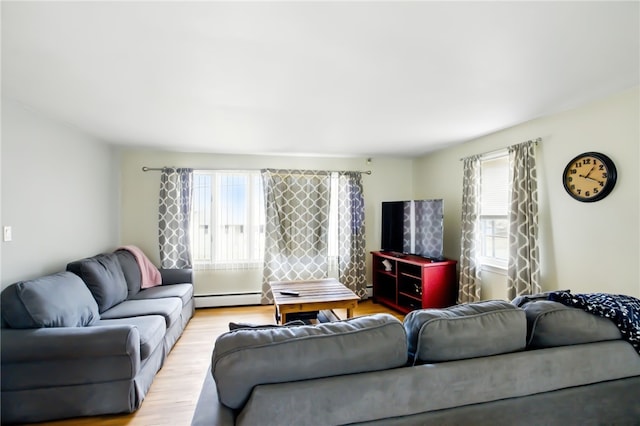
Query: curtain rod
x,y
149,169
502,149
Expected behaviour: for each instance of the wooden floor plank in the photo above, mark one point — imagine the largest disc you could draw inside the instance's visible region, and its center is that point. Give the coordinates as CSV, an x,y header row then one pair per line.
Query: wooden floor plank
x,y
174,393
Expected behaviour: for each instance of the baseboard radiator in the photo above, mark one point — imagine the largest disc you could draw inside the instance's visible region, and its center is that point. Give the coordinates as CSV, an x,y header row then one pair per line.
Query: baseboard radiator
x,y
216,300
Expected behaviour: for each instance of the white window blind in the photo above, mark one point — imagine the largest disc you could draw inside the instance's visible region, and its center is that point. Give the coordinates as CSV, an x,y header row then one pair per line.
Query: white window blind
x,y
494,193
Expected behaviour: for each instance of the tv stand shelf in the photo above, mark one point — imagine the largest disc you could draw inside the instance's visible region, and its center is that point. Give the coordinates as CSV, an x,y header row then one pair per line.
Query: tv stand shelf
x,y
412,282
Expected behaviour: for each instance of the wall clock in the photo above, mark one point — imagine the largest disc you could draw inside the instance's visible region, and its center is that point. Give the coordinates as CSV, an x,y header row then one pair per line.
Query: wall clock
x,y
589,177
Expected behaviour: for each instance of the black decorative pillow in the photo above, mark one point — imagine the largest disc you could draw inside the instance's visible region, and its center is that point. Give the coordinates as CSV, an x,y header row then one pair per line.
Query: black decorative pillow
x,y
520,301
623,310
241,325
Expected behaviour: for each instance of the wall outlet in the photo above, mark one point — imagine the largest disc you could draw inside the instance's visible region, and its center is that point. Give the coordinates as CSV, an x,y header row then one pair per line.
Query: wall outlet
x,y
7,233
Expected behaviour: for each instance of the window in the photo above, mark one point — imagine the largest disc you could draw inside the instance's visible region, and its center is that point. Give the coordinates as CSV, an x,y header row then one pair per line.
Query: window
x,y
494,209
227,219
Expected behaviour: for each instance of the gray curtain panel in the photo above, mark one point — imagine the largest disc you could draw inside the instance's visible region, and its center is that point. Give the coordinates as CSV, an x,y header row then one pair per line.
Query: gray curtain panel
x,y
469,288
524,258
351,240
174,213
296,228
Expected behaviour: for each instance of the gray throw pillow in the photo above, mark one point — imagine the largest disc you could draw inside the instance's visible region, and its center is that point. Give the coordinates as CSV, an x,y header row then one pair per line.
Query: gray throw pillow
x,y
104,277
58,300
552,324
465,331
245,358
131,271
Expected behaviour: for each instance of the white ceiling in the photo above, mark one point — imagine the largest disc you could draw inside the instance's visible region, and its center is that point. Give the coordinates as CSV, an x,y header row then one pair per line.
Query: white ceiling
x,y
312,78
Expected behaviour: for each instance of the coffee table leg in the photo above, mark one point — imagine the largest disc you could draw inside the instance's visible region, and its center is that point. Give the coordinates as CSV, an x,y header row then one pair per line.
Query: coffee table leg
x,y
349,312
277,314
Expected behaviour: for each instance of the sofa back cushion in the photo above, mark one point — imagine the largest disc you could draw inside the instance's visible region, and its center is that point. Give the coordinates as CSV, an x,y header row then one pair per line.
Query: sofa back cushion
x,y
104,277
465,331
552,324
58,300
131,272
244,358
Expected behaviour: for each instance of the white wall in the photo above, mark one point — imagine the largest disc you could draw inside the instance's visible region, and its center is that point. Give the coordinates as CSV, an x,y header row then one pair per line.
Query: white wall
x,y
59,194
390,180
60,187
585,247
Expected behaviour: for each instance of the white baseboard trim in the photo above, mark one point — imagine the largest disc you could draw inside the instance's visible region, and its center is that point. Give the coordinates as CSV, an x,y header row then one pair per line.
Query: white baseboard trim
x,y
213,301
217,300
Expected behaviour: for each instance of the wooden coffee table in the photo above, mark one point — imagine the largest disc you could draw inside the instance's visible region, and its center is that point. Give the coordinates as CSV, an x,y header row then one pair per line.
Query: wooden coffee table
x,y
314,295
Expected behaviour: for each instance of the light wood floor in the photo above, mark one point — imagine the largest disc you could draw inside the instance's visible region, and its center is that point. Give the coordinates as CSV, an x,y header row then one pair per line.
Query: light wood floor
x,y
175,389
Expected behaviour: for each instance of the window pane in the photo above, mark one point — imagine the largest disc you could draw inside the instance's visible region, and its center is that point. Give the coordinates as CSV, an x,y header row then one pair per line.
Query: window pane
x,y
201,218
231,208
494,208
501,239
228,219
494,238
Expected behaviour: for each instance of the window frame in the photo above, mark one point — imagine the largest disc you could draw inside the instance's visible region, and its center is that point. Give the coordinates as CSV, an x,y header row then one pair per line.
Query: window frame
x,y
253,218
486,261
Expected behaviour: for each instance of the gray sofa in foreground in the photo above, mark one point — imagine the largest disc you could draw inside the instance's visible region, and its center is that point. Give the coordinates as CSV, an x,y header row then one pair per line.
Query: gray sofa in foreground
x,y
88,341
488,363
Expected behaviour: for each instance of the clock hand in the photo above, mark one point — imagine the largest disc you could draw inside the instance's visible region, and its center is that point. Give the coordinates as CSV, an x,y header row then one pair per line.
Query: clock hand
x,y
587,176
590,178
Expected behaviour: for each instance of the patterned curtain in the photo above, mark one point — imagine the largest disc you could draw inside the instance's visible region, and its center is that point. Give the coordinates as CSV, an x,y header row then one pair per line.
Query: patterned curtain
x,y
523,272
469,290
296,229
351,242
174,215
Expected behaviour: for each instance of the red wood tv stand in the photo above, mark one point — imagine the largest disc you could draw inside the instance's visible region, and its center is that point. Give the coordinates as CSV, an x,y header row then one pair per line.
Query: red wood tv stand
x,y
407,282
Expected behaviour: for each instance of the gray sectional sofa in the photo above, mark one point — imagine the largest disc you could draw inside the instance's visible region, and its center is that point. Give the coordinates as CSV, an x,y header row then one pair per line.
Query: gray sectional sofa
x,y
488,363
89,340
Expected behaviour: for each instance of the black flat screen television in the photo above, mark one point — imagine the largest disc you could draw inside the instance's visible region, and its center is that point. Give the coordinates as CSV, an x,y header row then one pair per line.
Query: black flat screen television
x,y
413,227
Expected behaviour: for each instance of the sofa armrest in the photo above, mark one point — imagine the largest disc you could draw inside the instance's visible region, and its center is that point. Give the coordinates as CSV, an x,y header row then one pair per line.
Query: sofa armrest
x,y
68,356
176,276
39,344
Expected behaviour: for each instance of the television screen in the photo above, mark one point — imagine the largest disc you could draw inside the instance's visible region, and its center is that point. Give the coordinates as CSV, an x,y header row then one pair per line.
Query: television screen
x,y
413,227
393,226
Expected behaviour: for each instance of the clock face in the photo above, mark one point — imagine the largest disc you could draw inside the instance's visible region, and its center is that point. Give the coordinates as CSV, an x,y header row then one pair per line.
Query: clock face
x,y
589,177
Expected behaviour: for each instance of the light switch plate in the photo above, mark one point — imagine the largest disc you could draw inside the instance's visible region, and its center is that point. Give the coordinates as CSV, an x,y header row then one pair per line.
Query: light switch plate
x,y
7,233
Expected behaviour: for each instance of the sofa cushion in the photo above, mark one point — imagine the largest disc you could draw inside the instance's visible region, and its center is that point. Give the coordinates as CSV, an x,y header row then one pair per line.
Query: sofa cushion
x,y
151,328
238,325
552,323
244,358
465,331
131,271
103,275
183,291
169,308
58,300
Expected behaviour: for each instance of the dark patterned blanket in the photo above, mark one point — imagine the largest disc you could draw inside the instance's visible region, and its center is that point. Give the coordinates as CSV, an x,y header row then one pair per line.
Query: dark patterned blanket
x,y
623,310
